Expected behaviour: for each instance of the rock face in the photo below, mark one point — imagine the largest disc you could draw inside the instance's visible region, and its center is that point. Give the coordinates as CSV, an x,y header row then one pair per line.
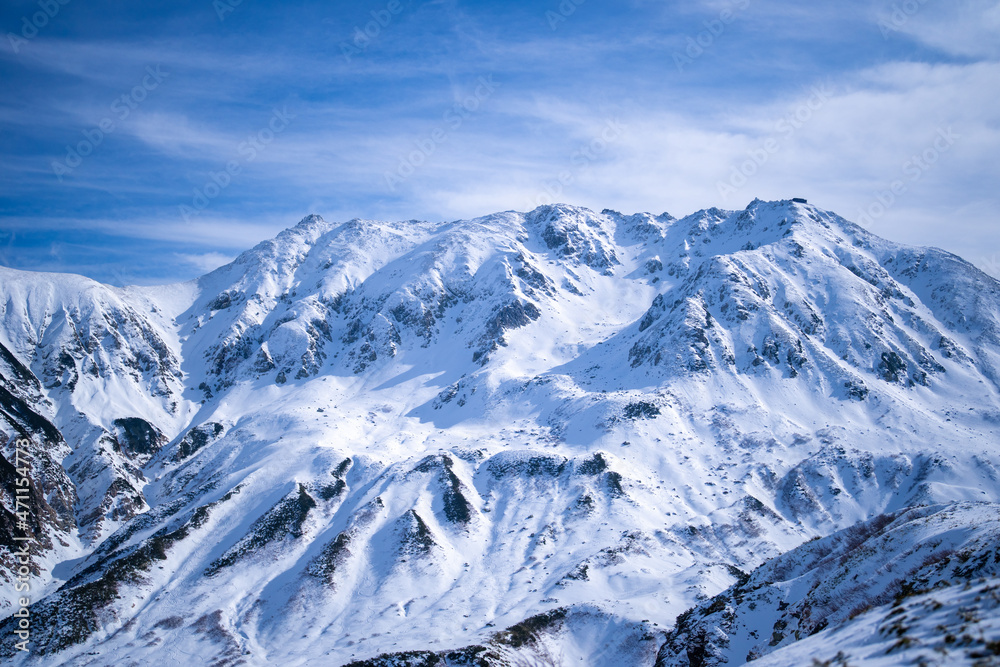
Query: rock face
x,y
521,439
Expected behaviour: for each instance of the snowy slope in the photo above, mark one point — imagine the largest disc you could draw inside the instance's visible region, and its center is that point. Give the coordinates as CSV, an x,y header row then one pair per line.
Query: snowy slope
x,y
916,585
366,437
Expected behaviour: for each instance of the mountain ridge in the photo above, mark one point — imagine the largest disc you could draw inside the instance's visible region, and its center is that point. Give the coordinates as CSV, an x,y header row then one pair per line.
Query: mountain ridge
x,y
370,433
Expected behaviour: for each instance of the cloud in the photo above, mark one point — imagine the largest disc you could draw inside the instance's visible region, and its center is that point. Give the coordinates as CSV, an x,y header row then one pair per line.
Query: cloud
x,y
205,262
176,135
969,28
842,151
206,232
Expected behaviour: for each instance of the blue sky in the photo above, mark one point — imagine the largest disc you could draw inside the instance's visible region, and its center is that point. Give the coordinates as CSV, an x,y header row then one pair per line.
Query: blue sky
x,y
150,142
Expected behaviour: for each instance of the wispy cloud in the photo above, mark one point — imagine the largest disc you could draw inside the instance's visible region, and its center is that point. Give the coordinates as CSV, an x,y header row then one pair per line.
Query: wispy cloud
x,y
205,262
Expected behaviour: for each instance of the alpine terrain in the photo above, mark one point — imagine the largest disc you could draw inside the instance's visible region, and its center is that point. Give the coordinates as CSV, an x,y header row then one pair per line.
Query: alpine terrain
x,y
550,438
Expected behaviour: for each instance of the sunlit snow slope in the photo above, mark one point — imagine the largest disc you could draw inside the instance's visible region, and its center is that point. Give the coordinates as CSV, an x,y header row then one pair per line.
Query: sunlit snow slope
x,y
528,438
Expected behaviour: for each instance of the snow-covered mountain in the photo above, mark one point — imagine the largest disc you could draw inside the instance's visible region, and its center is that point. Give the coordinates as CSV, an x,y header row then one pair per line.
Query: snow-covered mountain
x,y
527,438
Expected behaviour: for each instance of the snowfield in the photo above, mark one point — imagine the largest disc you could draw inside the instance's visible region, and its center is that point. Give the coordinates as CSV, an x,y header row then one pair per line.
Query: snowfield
x,y
550,438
